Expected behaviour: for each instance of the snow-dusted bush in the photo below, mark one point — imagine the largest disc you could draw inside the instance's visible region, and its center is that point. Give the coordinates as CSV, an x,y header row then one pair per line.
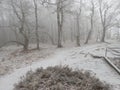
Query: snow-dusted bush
x,y
60,78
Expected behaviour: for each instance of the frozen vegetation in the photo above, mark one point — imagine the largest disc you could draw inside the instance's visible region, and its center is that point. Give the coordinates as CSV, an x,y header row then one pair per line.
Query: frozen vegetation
x,y
60,78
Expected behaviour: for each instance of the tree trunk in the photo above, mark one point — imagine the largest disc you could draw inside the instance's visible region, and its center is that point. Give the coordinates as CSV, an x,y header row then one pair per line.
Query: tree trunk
x,y
26,44
60,23
88,37
72,39
78,31
103,35
59,37
91,22
91,29
36,22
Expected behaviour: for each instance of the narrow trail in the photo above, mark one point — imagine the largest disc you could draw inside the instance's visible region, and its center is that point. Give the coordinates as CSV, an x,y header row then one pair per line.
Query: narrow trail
x,y
74,59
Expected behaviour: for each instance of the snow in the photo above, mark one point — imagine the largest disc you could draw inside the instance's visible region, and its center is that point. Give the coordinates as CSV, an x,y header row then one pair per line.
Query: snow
x,y
77,58
12,57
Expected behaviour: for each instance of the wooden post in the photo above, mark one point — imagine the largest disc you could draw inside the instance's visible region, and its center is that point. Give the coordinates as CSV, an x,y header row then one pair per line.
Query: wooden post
x,y
106,52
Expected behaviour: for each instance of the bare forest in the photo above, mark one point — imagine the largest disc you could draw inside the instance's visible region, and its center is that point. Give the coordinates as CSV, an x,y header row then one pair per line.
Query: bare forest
x,y
60,44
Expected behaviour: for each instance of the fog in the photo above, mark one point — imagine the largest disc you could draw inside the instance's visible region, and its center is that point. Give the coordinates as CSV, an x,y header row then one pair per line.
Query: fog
x,y
58,22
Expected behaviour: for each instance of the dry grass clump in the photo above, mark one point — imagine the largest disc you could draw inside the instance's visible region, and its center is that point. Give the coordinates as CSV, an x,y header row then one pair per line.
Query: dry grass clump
x,y
60,78
117,63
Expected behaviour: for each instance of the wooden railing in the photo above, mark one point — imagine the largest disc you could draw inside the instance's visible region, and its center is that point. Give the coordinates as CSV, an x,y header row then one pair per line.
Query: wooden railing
x,y
114,51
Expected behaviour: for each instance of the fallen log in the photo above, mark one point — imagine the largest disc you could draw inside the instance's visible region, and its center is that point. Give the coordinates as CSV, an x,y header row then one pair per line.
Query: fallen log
x,y
95,56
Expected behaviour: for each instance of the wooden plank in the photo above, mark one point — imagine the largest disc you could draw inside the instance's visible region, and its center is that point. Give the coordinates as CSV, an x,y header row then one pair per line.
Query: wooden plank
x,y
112,65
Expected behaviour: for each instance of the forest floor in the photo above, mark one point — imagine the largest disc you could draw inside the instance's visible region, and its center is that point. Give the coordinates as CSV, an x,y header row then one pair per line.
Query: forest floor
x,y
12,57
14,64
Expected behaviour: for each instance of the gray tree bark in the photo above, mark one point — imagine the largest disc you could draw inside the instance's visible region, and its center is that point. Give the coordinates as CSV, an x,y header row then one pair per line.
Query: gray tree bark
x,y
91,22
60,21
36,23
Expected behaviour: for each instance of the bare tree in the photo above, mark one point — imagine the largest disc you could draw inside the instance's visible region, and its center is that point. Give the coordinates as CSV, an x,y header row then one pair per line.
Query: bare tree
x,y
91,21
78,15
78,29
36,23
107,16
60,11
21,11
60,18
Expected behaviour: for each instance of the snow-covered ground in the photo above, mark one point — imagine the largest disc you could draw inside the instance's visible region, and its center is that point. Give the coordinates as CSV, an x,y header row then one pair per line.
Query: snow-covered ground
x,y
12,57
77,58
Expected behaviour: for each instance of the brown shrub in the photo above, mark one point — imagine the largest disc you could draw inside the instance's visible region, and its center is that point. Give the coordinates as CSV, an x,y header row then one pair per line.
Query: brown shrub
x,y
60,78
